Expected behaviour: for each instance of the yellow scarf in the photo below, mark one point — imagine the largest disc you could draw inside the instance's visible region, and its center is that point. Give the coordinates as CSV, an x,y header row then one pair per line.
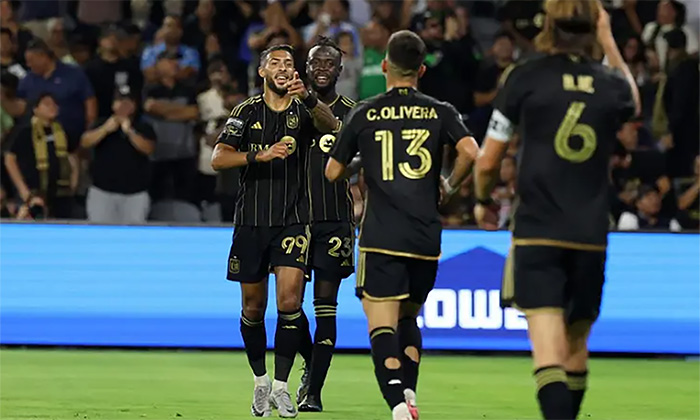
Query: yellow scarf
x,y
41,154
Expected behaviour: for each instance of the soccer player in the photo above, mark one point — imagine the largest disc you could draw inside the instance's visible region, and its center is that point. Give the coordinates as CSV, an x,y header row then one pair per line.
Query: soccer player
x,y
400,135
269,137
568,109
332,231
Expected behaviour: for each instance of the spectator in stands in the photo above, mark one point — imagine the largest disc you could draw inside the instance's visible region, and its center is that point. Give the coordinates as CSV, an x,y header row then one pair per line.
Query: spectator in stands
x,y
129,37
171,106
91,12
349,79
375,37
171,32
212,115
504,193
332,20
8,90
205,30
647,214
459,209
20,34
67,84
109,71
8,55
447,64
682,106
639,13
523,20
632,49
688,192
670,15
40,160
120,167
57,41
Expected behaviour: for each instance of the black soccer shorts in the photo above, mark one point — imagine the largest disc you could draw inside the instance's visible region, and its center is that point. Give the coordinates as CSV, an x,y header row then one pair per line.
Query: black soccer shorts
x,y
389,277
256,250
333,248
545,277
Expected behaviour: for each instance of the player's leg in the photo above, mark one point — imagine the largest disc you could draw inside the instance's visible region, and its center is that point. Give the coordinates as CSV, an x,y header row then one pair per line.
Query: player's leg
x,y
540,292
382,283
306,346
587,276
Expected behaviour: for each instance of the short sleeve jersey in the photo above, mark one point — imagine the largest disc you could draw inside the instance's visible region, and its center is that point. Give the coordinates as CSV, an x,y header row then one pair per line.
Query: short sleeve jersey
x,y
330,201
400,137
271,193
567,111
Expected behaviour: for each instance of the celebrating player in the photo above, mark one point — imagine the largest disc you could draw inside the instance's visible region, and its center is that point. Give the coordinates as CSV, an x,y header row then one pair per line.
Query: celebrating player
x,y
332,230
568,108
269,136
400,136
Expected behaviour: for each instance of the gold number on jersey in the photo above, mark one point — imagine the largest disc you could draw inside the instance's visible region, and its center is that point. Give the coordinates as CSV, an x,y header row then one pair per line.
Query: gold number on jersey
x,y
290,242
336,243
417,137
569,128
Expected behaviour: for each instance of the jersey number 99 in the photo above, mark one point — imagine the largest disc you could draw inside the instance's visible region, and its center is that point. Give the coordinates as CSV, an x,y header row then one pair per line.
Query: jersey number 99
x,y
570,127
417,137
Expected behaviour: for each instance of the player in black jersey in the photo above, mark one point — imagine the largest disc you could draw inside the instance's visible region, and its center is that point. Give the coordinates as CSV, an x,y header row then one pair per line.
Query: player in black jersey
x,y
401,136
269,137
568,109
332,231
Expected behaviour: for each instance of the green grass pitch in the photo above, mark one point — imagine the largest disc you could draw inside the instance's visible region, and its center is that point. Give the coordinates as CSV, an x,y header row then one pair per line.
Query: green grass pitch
x,y
115,385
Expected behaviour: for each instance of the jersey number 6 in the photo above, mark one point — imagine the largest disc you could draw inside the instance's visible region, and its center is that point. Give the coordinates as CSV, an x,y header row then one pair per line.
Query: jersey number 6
x,y
570,127
417,137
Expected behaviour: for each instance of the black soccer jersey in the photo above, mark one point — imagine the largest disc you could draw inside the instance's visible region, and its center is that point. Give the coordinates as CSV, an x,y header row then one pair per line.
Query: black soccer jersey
x,y
271,193
329,201
567,110
400,136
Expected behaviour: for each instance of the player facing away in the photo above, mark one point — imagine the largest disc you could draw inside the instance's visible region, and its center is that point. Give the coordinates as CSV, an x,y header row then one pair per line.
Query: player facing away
x,y
400,136
567,108
332,230
269,137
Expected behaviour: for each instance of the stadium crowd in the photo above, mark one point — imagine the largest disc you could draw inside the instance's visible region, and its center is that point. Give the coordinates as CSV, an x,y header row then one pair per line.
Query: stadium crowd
x,y
110,109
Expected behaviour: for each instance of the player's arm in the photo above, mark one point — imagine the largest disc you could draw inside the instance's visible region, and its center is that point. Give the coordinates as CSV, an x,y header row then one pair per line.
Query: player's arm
x,y
324,119
345,149
466,147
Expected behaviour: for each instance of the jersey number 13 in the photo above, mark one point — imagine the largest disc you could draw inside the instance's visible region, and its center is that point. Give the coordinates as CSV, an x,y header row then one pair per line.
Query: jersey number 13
x,y
417,138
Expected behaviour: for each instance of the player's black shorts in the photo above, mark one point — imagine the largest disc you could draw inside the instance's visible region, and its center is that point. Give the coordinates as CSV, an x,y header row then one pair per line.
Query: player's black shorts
x,y
333,248
388,277
258,249
540,277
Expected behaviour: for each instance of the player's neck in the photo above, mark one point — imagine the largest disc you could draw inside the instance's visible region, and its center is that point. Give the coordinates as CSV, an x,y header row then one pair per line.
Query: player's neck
x,y
276,102
403,82
327,97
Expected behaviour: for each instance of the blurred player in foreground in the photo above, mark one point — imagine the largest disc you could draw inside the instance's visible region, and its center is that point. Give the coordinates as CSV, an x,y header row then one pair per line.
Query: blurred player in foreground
x,y
400,135
332,243
568,109
269,137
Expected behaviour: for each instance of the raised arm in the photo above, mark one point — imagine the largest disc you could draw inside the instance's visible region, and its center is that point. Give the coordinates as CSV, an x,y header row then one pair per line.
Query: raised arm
x,y
323,117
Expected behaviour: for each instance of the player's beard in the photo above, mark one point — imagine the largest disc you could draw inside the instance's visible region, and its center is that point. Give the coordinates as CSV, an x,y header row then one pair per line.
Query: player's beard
x,y
273,87
324,90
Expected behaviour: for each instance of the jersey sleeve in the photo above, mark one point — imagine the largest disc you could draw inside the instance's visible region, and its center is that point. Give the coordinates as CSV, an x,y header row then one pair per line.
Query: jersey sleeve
x,y
235,127
347,145
453,129
506,106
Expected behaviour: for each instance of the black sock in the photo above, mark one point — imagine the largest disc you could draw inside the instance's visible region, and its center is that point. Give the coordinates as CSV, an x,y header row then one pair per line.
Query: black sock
x,y
255,342
577,383
553,394
287,338
410,336
385,346
324,343
306,346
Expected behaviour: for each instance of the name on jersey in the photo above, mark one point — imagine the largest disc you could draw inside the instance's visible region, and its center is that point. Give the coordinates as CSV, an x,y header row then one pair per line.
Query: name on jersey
x,y
402,112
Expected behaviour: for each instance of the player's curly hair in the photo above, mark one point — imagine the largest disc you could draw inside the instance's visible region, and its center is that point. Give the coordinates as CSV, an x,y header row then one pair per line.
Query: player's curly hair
x,y
324,41
570,25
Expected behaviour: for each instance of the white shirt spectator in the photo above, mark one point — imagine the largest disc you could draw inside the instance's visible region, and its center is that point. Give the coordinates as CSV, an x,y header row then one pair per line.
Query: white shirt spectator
x,y
660,43
211,108
630,221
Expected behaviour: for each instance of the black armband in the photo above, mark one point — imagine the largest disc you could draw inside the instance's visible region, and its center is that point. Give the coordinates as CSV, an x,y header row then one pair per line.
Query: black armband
x,y
250,157
311,101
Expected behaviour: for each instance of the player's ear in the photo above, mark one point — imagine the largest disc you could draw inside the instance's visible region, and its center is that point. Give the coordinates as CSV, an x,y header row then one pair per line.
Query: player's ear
x,y
261,71
385,66
421,71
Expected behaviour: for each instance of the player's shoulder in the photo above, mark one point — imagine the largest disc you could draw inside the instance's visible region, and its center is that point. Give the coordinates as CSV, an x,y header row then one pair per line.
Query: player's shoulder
x,y
346,102
441,107
245,107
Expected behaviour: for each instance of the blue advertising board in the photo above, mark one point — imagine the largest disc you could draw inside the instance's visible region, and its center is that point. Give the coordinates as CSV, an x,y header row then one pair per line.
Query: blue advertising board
x,y
165,286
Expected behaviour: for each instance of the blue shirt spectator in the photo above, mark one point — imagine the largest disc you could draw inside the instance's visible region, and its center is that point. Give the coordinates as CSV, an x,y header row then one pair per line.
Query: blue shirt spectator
x,y
189,57
68,84
169,39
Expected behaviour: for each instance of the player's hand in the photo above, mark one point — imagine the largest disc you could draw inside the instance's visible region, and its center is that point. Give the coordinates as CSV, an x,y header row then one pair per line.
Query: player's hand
x,y
486,216
111,125
126,125
279,150
446,190
296,87
603,29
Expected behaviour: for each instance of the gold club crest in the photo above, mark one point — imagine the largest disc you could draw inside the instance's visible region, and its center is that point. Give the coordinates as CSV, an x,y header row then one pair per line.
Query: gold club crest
x,y
291,143
292,121
234,265
326,143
